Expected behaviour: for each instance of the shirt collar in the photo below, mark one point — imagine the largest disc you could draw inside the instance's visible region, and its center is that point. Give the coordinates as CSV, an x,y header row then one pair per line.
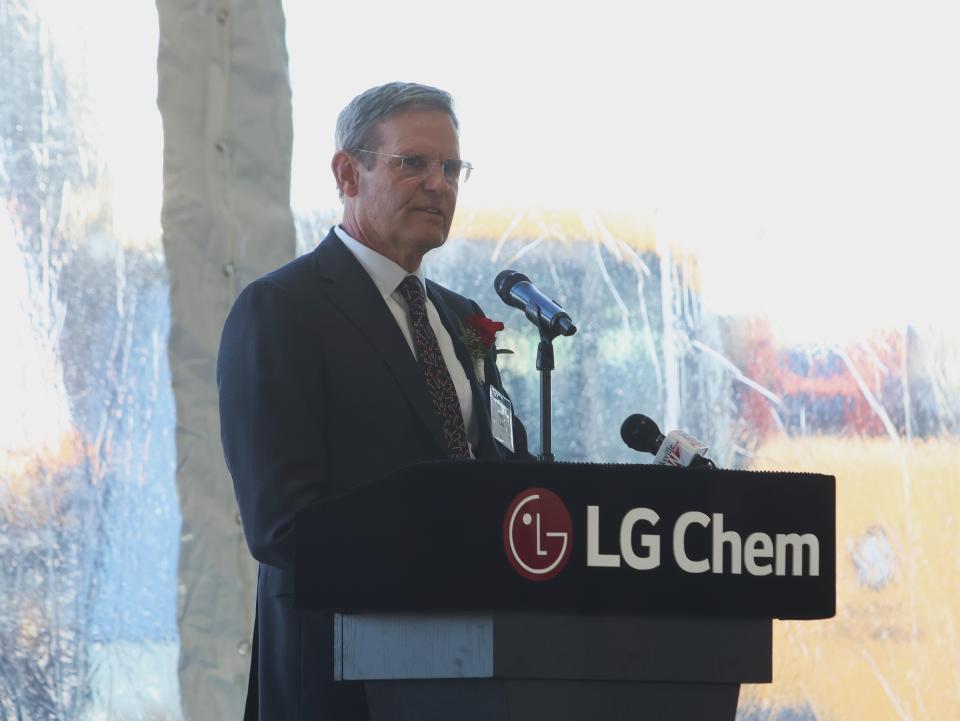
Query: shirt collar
x,y
384,273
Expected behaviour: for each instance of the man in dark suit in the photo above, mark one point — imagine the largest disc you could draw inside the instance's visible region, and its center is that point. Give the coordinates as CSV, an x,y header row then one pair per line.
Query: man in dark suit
x,y
343,366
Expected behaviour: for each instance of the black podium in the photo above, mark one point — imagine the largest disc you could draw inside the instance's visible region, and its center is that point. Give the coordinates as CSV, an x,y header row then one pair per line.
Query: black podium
x,y
515,591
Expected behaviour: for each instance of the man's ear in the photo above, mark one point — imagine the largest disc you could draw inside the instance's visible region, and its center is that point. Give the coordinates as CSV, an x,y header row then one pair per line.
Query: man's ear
x,y
346,172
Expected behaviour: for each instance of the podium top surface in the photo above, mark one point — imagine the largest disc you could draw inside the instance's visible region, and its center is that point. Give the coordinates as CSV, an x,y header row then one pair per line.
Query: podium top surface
x,y
574,538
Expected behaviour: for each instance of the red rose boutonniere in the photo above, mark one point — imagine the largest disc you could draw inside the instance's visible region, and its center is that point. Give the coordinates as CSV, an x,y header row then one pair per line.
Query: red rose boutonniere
x,y
479,335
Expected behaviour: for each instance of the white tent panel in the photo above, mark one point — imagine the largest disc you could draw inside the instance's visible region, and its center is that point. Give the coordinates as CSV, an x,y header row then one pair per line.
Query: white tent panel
x,y
225,102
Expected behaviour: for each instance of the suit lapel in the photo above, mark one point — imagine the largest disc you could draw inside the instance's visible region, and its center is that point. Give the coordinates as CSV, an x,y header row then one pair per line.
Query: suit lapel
x,y
454,325
348,287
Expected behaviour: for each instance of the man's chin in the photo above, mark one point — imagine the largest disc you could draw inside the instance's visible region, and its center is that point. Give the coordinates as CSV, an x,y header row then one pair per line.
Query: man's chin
x,y
431,241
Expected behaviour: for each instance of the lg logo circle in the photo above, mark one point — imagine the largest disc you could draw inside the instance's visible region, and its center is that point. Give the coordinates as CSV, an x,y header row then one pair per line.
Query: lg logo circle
x,y
537,534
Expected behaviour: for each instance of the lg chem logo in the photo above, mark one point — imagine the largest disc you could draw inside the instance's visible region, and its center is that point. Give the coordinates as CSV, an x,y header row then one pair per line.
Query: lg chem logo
x,y
537,534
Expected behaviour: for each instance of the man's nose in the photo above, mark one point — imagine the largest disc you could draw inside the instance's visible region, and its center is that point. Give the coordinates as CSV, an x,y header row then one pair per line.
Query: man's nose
x,y
435,179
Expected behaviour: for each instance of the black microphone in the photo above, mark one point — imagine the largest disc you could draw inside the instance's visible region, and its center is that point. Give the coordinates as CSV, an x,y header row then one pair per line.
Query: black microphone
x,y
675,449
515,289
641,434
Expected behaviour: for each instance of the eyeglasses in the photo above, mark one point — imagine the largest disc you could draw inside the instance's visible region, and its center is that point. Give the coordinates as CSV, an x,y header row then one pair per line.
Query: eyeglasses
x,y
418,166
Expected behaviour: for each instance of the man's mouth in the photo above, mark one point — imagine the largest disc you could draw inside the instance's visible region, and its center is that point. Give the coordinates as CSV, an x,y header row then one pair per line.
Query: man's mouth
x,y
432,211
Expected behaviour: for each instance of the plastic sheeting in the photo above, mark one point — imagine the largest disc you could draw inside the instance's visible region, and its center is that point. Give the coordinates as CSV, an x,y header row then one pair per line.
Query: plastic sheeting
x,y
88,521
88,509
749,211
225,102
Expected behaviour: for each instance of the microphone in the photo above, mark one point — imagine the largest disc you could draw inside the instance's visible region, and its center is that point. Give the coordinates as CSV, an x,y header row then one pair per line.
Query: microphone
x,y
641,434
677,448
515,289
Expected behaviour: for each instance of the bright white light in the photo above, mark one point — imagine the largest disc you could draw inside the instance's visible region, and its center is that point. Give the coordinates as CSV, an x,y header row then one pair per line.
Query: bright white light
x,y
111,101
114,87
808,154
36,416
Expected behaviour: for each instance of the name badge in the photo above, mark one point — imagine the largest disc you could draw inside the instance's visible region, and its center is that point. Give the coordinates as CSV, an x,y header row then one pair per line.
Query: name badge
x,y
501,418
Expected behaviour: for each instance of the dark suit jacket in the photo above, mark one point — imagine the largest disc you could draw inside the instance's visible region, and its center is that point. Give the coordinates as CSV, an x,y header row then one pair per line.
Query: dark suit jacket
x,y
319,393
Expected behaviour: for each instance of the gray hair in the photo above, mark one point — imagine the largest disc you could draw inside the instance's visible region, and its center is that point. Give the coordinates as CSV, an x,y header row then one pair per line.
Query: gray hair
x,y
357,123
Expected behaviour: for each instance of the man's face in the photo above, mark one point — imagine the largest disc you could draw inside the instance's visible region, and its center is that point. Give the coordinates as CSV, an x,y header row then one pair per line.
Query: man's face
x,y
404,217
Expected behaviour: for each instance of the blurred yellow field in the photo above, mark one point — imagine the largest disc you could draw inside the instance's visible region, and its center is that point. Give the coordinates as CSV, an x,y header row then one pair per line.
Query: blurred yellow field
x,y
893,651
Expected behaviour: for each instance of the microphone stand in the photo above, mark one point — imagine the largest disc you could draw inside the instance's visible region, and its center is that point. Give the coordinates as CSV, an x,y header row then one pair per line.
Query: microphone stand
x,y
545,366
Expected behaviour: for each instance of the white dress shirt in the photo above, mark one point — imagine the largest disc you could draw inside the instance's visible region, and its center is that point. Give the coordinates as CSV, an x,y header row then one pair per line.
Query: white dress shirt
x,y
387,276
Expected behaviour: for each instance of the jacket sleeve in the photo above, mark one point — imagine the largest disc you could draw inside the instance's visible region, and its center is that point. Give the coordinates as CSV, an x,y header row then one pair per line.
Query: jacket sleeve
x,y
269,379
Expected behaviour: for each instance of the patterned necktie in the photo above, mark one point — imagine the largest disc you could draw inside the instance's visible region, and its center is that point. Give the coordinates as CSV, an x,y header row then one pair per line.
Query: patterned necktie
x,y
435,373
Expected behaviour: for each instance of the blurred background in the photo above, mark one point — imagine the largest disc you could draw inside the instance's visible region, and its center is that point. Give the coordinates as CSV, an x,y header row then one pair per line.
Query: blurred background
x,y
749,209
